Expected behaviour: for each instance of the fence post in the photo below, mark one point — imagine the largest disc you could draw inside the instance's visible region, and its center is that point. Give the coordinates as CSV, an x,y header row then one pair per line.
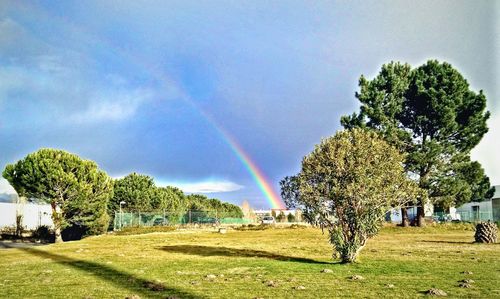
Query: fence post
x,y
164,217
189,217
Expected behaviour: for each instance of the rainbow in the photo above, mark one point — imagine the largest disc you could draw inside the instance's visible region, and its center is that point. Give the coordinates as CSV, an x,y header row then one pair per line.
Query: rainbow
x,y
251,167
257,174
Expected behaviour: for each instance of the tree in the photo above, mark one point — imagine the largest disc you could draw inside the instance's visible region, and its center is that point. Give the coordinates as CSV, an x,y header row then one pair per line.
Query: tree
x,y
136,190
75,188
348,183
281,217
168,198
430,113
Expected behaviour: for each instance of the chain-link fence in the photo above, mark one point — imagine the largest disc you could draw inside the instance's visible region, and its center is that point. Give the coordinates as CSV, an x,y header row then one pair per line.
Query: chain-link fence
x,y
467,216
126,219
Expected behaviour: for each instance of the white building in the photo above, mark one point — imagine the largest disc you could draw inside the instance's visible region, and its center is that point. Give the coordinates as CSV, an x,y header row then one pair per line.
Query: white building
x,y
481,211
33,215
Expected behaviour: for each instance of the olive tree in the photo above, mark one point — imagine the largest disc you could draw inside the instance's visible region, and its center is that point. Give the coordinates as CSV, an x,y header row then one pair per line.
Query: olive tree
x,y
347,184
75,188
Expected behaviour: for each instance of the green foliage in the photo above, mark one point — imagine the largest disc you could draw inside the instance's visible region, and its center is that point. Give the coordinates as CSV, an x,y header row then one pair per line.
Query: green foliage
x,y
281,217
430,113
140,194
136,190
213,207
43,233
290,217
77,190
347,184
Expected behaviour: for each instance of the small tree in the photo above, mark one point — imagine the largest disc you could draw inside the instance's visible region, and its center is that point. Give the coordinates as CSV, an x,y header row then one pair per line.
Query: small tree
x,y
75,188
347,185
290,218
281,217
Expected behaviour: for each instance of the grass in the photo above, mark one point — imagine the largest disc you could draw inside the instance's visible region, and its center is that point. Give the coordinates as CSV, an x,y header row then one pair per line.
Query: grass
x,y
177,263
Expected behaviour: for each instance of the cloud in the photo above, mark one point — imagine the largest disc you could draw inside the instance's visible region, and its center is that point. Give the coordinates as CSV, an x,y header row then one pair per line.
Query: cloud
x,y
206,187
113,107
487,151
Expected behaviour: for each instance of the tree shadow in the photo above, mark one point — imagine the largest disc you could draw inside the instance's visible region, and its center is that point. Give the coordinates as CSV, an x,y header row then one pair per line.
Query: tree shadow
x,y
236,252
457,242
121,279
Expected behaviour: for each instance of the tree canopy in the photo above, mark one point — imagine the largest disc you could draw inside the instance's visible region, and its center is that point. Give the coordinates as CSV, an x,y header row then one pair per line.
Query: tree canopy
x,y
76,189
431,114
140,194
347,184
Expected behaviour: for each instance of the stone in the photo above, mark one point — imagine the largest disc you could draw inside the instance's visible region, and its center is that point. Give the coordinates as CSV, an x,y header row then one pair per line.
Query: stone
x,y
389,285
465,285
210,276
436,292
326,271
133,297
467,272
271,283
469,281
155,286
299,288
357,277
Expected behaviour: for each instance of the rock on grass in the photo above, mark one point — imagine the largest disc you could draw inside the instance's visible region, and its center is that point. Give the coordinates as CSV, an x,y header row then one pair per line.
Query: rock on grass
x,y
469,281
299,288
155,286
357,277
326,271
436,292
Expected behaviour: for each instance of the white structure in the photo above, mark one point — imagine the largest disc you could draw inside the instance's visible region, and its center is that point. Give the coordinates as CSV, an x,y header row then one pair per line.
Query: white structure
x,y
34,215
483,210
394,215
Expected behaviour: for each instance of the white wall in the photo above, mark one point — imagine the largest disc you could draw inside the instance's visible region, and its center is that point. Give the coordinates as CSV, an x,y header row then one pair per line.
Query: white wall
x,y
34,215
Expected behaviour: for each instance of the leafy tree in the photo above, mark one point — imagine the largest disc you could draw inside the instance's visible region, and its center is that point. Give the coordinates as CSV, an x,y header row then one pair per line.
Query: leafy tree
x,y
136,190
75,188
430,113
348,183
290,217
168,198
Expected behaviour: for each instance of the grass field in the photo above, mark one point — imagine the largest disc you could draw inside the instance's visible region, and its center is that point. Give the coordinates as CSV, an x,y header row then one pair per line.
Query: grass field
x,y
241,264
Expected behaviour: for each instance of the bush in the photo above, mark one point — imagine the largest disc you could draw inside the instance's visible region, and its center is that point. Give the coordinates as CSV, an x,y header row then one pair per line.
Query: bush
x,y
44,234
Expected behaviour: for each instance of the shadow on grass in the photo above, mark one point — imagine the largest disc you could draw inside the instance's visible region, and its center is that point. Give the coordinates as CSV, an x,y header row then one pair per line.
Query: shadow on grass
x,y
457,242
134,284
236,252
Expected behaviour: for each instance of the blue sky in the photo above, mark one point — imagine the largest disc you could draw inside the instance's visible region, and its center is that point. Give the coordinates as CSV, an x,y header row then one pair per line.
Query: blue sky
x,y
128,83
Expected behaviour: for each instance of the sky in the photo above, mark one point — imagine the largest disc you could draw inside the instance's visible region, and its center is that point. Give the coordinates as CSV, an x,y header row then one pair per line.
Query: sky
x,y
193,92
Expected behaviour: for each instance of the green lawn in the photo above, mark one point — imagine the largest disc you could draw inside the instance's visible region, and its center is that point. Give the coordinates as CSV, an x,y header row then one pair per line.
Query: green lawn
x,y
177,263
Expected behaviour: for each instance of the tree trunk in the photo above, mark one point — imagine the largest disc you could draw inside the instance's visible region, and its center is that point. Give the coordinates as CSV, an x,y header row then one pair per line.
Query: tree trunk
x,y
57,232
351,255
57,219
404,217
420,215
